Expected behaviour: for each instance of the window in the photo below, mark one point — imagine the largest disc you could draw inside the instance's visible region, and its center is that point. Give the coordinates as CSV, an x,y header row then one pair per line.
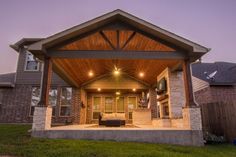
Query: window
x,y
53,100
120,104
96,107
132,104
31,64
35,98
108,104
66,101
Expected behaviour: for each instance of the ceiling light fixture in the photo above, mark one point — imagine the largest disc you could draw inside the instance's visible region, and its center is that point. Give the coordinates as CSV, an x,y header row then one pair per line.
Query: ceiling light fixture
x,y
99,89
90,74
117,93
116,71
134,89
141,74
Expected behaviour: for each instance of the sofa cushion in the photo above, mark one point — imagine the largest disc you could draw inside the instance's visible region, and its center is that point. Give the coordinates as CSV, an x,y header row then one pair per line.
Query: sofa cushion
x,y
113,116
120,116
108,116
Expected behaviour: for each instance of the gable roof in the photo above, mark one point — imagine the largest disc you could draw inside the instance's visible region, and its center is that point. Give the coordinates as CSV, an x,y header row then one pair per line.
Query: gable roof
x,y
225,75
119,15
7,80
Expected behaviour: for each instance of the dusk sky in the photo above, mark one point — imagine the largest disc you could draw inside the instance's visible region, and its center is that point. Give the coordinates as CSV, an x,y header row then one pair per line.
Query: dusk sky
x,y
211,23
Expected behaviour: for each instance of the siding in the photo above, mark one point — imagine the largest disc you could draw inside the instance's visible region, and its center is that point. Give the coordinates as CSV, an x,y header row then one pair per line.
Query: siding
x,y
199,84
32,77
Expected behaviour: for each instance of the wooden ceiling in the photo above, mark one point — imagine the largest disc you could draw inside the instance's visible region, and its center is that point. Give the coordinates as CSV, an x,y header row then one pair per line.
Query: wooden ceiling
x,y
78,69
126,40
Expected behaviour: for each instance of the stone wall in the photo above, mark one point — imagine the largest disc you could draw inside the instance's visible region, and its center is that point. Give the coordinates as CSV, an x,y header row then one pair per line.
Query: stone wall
x,y
175,92
192,118
42,118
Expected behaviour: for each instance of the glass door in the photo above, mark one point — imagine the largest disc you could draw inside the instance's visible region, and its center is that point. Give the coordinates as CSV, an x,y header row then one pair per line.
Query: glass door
x,y
109,104
132,104
96,107
120,105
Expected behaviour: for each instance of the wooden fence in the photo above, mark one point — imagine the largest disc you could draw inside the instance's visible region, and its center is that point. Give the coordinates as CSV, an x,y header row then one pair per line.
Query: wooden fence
x,y
220,119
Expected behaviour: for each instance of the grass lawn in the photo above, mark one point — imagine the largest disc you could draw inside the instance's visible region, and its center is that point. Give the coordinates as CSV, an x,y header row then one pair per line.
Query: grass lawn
x,y
16,141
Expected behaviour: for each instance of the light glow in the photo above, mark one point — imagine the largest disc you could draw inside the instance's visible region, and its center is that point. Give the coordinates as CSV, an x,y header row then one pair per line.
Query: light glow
x,y
134,89
90,73
141,74
117,93
116,71
99,89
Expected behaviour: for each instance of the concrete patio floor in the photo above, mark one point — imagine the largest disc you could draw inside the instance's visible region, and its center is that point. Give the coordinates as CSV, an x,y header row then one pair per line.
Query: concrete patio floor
x,y
127,127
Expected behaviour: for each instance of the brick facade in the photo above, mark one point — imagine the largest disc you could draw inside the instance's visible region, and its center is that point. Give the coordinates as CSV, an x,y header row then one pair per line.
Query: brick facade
x,y
216,94
16,104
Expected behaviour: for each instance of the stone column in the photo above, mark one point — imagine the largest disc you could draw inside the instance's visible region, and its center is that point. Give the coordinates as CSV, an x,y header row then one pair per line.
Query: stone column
x,y
43,112
191,112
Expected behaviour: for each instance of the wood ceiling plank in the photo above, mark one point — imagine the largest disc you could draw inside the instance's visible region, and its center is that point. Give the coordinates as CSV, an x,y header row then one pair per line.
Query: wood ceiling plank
x,y
79,68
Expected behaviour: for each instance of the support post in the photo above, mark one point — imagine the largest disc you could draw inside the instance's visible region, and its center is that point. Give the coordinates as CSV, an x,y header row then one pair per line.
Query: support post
x,y
188,85
43,112
191,112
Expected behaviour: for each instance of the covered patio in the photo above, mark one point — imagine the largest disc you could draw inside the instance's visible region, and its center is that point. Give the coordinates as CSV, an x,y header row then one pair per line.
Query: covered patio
x,y
121,65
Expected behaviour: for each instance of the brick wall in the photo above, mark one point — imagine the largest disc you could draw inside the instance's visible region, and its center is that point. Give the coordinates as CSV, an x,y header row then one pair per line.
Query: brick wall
x,y
14,108
153,102
16,105
216,94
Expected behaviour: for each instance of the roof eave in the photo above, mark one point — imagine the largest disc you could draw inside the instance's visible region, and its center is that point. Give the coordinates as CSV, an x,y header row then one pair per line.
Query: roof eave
x,y
24,41
193,47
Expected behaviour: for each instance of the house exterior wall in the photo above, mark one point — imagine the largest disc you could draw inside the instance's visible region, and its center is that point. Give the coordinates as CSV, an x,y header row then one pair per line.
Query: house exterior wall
x,y
16,102
32,77
199,84
216,94
16,106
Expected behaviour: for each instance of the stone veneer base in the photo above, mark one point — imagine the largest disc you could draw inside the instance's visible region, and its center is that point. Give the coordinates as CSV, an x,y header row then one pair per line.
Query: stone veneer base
x,y
42,118
178,137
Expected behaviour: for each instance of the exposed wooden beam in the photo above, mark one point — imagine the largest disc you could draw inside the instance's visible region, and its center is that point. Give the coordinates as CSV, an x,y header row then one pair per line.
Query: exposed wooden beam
x,y
189,97
107,40
64,75
45,82
128,40
177,67
118,39
117,54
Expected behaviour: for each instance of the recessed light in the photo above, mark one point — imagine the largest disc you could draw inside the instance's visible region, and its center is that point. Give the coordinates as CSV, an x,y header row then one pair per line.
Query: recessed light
x,y
134,89
116,71
90,74
141,74
117,93
99,89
